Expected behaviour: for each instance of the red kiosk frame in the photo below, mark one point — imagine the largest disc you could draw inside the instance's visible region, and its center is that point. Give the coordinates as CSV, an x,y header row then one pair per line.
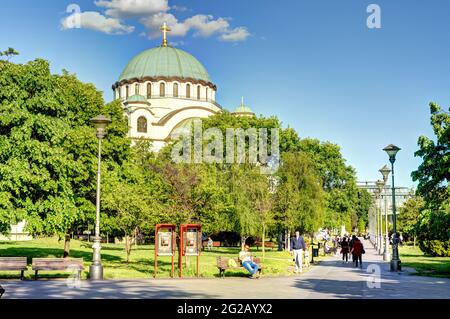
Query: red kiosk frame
x,y
189,246
165,246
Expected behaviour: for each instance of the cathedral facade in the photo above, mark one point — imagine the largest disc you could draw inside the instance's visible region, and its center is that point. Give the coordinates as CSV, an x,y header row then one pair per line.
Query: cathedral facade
x,y
164,88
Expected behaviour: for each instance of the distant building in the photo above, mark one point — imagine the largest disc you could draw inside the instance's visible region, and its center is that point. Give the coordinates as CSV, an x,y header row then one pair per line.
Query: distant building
x,y
384,201
17,233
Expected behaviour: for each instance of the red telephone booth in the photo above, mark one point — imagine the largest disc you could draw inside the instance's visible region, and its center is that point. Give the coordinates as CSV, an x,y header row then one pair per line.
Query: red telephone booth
x,y
165,244
190,244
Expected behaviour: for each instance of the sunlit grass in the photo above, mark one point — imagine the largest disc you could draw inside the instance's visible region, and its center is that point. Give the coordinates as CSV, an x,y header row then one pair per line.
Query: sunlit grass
x,y
141,264
424,265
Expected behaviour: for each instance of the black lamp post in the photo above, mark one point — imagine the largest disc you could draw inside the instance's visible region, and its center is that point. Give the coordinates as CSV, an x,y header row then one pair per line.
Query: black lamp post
x,y
392,150
96,269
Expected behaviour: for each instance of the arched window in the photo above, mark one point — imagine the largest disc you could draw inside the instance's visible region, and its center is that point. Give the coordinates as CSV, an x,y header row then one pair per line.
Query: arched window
x,y
149,91
175,90
206,93
162,89
136,89
188,91
127,91
142,125
198,92
119,90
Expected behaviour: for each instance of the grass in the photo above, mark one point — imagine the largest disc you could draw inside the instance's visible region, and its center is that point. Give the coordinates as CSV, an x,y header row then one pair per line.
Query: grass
x,y
141,263
424,265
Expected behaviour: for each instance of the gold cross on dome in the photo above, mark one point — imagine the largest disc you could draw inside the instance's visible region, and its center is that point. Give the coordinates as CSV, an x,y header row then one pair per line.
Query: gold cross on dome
x,y
165,29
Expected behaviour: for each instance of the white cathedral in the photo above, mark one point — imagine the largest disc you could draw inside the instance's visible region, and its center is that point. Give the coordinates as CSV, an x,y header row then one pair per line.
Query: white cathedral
x,y
165,88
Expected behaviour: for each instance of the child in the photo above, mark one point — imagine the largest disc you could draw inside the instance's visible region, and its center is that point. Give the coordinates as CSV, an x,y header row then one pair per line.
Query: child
x,y
307,257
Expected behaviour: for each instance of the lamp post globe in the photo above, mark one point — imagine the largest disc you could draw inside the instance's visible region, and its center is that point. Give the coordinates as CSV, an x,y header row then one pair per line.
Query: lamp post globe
x,y
385,171
392,150
96,269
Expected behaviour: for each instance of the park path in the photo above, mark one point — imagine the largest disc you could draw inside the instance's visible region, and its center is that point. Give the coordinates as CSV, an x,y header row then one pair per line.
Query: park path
x,y
330,279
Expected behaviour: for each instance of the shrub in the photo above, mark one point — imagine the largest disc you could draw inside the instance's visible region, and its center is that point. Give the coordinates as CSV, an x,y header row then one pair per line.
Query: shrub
x,y
433,229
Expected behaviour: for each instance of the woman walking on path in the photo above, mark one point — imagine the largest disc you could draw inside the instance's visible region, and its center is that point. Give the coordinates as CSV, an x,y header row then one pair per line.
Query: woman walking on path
x,y
357,250
344,250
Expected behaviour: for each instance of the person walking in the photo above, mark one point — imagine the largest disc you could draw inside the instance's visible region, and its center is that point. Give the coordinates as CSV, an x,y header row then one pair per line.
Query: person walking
x,y
297,248
344,250
350,246
357,251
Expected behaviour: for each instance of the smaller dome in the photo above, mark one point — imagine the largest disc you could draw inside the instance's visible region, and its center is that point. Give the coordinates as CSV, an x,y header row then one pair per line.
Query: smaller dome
x,y
137,98
243,110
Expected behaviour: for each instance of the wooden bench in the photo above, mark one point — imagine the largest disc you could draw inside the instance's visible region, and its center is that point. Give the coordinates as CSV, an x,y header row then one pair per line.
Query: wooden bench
x,y
222,264
14,263
68,264
267,244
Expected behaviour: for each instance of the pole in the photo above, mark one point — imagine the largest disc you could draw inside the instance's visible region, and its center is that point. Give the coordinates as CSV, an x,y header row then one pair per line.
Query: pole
x,y
96,269
386,238
376,222
380,248
395,261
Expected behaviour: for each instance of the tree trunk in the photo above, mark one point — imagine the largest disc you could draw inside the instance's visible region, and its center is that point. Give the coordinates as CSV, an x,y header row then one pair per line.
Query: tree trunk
x,y
243,239
288,246
414,241
263,241
66,246
128,244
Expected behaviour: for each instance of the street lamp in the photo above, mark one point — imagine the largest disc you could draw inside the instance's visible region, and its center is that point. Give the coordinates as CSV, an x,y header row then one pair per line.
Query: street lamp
x,y
96,269
392,150
377,243
385,171
380,186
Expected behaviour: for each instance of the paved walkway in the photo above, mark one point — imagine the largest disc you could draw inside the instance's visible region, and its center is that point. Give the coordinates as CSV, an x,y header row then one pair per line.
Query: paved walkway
x,y
329,279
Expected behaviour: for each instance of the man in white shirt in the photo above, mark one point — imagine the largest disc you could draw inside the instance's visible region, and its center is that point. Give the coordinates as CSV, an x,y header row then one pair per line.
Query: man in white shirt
x,y
247,262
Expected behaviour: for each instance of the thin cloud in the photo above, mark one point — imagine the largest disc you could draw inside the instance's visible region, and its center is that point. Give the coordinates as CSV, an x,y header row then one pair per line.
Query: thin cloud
x,y
95,21
132,8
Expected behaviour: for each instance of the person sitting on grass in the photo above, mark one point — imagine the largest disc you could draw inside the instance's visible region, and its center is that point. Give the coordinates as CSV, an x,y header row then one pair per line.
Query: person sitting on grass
x,y
247,262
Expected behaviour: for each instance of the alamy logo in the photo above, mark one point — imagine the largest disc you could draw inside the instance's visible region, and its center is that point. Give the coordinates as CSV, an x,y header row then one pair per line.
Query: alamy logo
x,y
74,20
374,19
374,279
198,146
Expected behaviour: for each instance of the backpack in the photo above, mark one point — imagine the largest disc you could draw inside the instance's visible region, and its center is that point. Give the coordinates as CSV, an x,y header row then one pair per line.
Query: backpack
x,y
232,263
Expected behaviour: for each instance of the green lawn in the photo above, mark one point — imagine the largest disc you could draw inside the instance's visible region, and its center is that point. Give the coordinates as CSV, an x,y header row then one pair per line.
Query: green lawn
x,y
141,260
424,265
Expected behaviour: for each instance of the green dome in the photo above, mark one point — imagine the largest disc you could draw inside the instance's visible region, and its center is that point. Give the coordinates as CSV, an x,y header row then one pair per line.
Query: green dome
x,y
137,98
164,62
243,109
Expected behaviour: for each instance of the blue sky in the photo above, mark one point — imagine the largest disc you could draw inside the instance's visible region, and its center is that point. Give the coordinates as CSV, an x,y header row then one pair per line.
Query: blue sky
x,y
314,64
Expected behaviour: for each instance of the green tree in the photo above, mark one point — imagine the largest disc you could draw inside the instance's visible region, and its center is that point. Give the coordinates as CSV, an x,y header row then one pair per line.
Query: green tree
x,y
338,180
433,176
300,199
48,147
9,53
362,209
408,216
